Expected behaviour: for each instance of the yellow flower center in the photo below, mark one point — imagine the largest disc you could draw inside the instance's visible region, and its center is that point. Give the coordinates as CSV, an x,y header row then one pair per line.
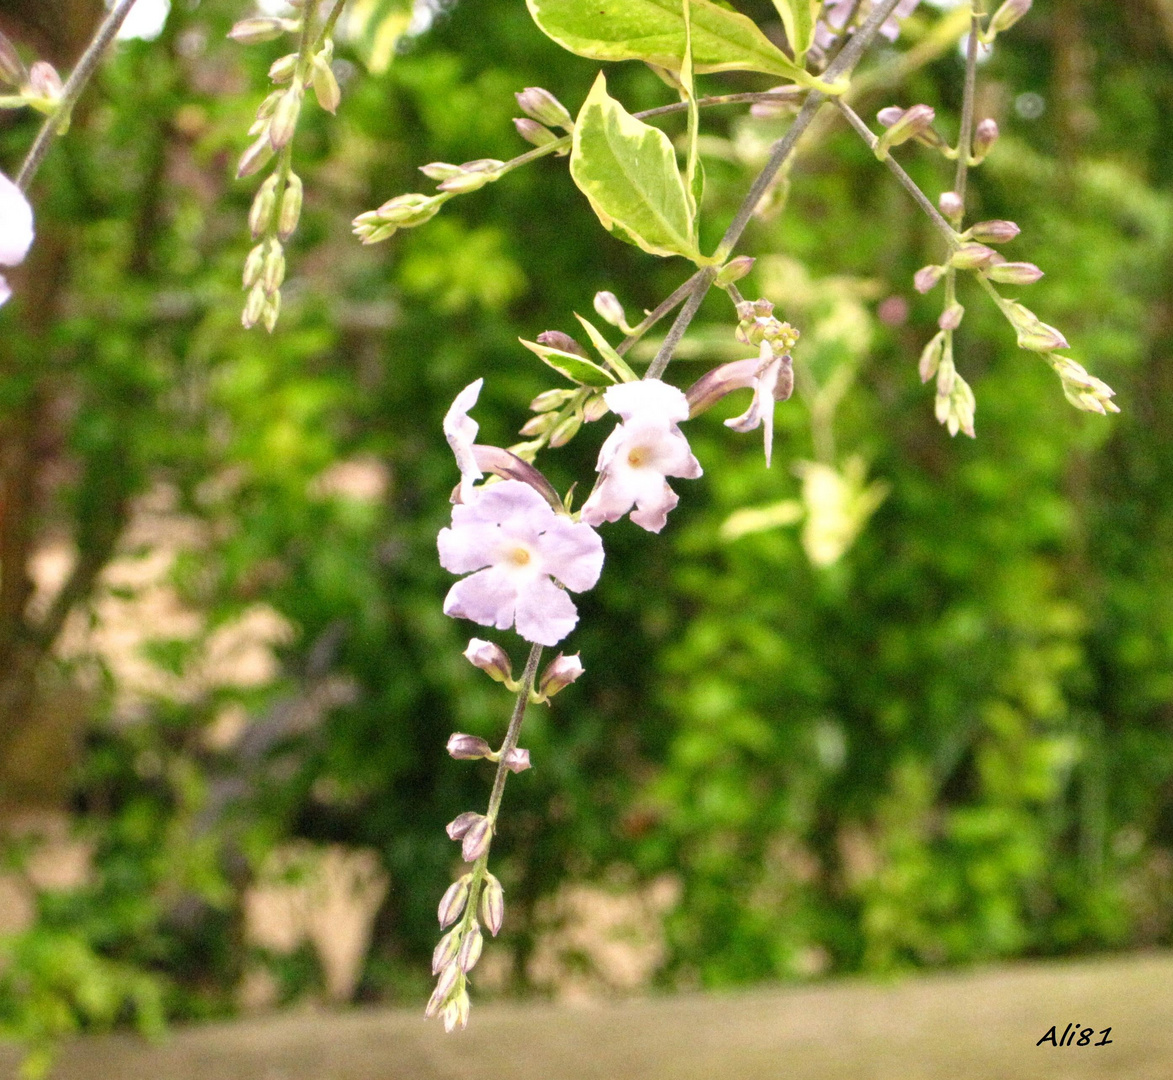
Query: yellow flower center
x,y
520,556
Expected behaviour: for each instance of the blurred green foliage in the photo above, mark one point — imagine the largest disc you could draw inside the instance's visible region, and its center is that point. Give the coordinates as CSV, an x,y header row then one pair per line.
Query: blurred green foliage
x,y
954,743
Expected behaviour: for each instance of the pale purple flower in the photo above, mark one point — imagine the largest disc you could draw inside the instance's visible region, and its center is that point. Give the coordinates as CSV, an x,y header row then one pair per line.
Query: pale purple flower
x,y
637,456
835,13
766,391
460,430
514,547
16,229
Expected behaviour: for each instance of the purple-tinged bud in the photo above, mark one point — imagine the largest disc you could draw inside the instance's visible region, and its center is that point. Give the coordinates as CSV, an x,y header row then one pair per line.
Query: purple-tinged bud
x,y
594,409
715,384
762,308
467,748
538,425
951,205
290,207
260,214
12,69
284,121
609,309
1014,273
734,270
453,901
930,358
489,658
267,105
556,339
254,307
440,170
566,430
971,256
282,69
272,310
444,987
408,211
458,827
44,81
887,117
1034,334
255,158
926,278
477,839
258,30
274,270
253,266
470,947
911,123
551,399
984,137
533,132
560,673
465,182
544,107
455,1013
492,904
326,88
516,760
951,317
445,952
994,232
1007,15
1084,391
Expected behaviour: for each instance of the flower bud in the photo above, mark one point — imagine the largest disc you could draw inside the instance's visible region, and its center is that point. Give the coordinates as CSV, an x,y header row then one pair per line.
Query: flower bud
x,y
470,947
445,952
477,839
951,205
930,358
551,399
455,1014
984,137
281,70
1014,273
1007,15
284,121
444,987
1084,391
971,256
440,170
253,266
926,278
956,408
12,69
274,271
911,123
889,115
538,425
533,132
326,88
254,307
994,232
594,409
261,212
1033,334
408,211
272,310
516,760
290,207
453,901
489,658
951,317
44,82
255,158
467,748
459,826
258,30
492,904
566,430
555,339
465,182
609,309
544,107
734,270
560,672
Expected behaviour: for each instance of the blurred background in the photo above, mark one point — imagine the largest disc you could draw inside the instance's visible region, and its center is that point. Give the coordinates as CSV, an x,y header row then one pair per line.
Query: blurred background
x,y
914,710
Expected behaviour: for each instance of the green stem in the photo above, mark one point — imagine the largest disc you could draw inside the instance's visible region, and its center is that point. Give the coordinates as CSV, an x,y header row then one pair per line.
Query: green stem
x,y
654,316
965,138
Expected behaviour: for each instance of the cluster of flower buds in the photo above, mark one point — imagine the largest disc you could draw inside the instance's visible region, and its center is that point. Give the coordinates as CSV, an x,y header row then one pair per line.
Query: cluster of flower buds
x,y
38,87
955,404
459,949
901,125
543,111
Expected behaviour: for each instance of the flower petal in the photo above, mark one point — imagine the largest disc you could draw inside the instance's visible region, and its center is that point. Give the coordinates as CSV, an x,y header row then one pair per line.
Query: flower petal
x,y
545,614
488,597
573,553
16,224
460,430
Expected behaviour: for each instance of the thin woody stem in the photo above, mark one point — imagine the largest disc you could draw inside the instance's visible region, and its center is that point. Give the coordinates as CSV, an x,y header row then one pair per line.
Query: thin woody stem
x,y
74,85
513,733
965,138
657,314
696,295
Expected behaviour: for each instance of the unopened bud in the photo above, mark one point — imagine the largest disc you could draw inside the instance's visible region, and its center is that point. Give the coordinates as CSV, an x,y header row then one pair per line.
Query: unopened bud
x,y
282,70
492,904
258,30
516,760
1007,15
594,409
489,658
455,1013
272,310
465,182
1084,391
550,399
984,137
951,205
253,266
284,121
467,747
1014,273
274,271
911,123
971,256
445,951
556,339
477,839
1034,334
560,673
609,309
544,107
255,158
538,425
566,430
951,317
440,170
44,81
254,307
261,212
930,358
407,211
470,947
444,986
459,826
453,901
290,207
955,409
12,69
926,278
734,270
533,132
326,88
994,232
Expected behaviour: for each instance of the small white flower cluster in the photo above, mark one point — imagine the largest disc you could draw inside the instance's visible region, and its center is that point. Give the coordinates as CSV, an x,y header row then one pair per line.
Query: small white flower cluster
x,y
16,229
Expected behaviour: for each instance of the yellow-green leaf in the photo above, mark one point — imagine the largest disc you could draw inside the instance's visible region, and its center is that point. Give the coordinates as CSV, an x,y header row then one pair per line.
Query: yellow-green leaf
x,y
799,18
576,368
613,360
374,28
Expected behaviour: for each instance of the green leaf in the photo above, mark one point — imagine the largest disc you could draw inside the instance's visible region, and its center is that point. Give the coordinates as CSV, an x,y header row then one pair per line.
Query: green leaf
x,y
616,362
654,31
627,170
374,27
799,18
576,368
686,79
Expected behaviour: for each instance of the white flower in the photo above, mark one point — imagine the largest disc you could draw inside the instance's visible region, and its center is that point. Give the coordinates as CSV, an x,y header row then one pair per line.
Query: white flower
x,y
765,392
513,545
460,430
637,456
16,229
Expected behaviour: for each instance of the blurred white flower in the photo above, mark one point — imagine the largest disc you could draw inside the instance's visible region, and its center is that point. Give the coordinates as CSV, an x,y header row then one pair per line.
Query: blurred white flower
x,y
16,229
